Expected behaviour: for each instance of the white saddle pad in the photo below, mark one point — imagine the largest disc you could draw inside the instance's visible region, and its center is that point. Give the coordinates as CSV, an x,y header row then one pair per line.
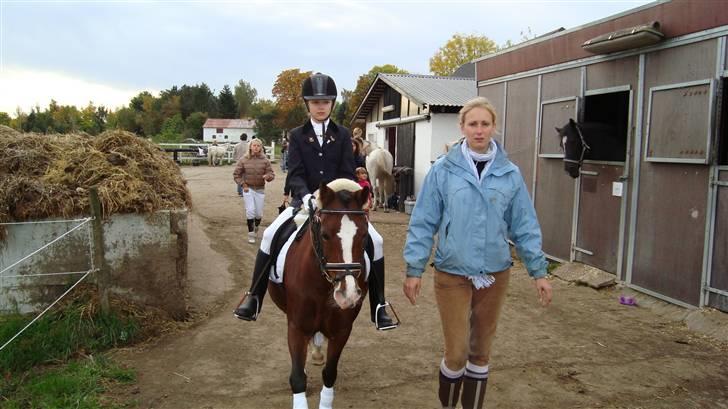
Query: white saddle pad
x,y
281,261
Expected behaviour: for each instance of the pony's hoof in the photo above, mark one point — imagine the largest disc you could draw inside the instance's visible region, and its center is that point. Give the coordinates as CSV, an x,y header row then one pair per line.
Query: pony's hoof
x,y
317,358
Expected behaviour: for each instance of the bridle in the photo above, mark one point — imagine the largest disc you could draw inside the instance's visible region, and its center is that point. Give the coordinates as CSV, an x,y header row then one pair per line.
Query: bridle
x,y
341,270
584,147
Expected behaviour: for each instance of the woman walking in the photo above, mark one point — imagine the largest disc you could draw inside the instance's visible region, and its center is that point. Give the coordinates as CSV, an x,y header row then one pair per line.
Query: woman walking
x,y
251,174
474,199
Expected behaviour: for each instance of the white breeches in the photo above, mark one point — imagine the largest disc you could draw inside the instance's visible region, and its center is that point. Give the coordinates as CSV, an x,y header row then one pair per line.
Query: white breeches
x,y
270,231
254,203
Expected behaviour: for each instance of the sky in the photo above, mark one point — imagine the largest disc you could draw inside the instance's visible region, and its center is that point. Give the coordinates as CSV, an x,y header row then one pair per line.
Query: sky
x,y
107,51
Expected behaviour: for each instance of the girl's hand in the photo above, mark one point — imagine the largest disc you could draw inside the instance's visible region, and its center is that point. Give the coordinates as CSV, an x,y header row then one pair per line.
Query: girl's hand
x,y
544,291
245,188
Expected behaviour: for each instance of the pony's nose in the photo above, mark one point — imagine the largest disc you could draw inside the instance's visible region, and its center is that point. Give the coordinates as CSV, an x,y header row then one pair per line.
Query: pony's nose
x,y
358,292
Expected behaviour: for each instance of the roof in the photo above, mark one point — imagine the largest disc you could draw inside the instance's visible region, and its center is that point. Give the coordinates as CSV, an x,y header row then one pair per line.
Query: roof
x,y
229,123
421,89
466,70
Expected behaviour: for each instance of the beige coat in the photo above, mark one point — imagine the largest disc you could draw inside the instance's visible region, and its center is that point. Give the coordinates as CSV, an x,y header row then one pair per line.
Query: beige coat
x,y
253,171
240,149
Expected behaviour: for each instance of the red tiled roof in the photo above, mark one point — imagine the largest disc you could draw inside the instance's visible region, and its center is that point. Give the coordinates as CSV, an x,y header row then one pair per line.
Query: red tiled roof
x,y
229,123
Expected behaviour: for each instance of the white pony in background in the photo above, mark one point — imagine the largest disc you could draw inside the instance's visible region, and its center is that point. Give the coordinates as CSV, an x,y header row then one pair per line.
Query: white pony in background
x,y
215,154
379,167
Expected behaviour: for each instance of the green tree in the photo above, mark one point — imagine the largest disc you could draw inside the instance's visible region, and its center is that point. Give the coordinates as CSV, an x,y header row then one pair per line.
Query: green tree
x,y
129,120
291,111
193,125
172,129
459,50
4,119
265,112
356,97
227,104
245,96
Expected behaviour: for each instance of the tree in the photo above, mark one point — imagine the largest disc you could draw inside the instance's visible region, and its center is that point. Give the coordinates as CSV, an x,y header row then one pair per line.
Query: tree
x,y
227,104
4,119
172,129
265,111
193,125
245,96
362,86
287,91
460,50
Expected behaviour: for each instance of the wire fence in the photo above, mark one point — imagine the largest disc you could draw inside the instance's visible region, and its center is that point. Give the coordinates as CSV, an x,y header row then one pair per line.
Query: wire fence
x,y
81,222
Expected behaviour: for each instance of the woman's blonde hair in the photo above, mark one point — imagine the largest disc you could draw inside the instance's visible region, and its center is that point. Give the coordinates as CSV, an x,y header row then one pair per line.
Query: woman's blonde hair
x,y
250,148
477,102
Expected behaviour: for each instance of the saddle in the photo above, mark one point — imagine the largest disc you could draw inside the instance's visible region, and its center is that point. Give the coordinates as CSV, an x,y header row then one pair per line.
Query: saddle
x,y
281,237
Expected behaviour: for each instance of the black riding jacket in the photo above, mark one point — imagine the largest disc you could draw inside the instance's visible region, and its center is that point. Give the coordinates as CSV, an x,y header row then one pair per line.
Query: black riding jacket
x,y
309,164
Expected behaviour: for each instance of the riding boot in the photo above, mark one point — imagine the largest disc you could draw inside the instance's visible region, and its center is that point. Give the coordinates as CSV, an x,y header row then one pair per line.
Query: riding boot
x,y
377,305
249,308
473,392
449,391
257,224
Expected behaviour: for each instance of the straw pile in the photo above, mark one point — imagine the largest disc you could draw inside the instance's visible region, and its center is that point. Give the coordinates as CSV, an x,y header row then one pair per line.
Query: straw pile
x,y
43,176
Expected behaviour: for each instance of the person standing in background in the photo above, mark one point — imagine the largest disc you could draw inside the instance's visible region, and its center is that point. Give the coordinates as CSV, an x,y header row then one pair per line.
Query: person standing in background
x,y
239,151
252,172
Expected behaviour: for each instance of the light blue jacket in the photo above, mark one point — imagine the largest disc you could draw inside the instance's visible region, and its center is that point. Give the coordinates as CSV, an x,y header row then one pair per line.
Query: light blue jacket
x,y
473,219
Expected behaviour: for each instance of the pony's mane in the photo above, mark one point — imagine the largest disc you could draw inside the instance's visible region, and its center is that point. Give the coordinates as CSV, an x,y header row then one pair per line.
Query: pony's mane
x,y
338,185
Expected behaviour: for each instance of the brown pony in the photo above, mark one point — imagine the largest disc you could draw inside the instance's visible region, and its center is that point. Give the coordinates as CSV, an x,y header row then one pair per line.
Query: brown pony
x,y
324,282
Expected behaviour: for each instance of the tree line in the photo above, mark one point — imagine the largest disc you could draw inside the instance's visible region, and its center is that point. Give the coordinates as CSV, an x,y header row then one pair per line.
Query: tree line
x,y
178,113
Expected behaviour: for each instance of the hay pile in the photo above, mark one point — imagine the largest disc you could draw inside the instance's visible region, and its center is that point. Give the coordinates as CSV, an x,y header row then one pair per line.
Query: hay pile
x,y
45,176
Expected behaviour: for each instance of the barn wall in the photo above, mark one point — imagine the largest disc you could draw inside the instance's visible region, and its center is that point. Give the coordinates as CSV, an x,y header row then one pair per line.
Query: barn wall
x,y
496,95
520,125
146,256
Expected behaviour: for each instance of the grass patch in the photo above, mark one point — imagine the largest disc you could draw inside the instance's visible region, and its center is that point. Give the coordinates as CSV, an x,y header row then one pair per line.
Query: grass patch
x,y
552,266
57,361
78,384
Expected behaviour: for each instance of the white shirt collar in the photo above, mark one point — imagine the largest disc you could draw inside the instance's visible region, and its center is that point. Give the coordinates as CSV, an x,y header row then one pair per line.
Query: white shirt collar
x,y
317,127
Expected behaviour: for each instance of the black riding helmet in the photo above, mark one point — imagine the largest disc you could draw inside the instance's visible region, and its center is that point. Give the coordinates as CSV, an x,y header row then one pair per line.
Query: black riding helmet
x,y
319,86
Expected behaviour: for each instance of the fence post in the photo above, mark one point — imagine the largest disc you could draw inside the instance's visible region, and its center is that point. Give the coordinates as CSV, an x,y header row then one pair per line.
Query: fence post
x,y
98,256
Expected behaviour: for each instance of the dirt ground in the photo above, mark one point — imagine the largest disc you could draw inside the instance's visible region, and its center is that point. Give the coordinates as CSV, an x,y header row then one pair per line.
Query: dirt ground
x,y
585,351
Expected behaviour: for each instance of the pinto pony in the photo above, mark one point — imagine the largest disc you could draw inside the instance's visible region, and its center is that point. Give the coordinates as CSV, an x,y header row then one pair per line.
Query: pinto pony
x,y
324,282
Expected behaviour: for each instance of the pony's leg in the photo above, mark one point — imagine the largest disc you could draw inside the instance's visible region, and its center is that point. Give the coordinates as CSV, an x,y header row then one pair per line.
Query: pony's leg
x,y
317,357
330,371
297,347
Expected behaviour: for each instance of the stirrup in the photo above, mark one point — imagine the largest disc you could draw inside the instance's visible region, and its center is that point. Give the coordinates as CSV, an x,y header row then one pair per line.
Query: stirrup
x,y
256,299
394,325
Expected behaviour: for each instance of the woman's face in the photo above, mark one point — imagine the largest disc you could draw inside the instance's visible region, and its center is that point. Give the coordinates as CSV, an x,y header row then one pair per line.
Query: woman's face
x,y
478,127
320,109
255,148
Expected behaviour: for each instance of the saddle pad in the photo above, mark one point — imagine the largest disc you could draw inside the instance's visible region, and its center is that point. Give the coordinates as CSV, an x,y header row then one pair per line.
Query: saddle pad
x,y
281,260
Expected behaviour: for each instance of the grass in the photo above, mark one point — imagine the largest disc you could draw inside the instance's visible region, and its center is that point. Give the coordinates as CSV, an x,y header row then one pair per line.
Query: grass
x,y
57,361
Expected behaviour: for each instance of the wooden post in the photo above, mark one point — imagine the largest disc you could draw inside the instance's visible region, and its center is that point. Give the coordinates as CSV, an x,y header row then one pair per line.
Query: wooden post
x,y
98,256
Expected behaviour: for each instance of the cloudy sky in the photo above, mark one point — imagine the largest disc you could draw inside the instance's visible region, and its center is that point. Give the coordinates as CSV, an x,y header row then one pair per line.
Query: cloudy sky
x,y
107,51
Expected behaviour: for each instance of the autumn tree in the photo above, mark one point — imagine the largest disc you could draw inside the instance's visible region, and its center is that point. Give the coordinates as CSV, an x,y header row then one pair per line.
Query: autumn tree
x,y
291,111
245,95
4,119
362,86
460,49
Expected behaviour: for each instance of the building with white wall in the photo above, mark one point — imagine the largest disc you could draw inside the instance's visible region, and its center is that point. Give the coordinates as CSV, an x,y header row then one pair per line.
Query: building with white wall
x,y
227,130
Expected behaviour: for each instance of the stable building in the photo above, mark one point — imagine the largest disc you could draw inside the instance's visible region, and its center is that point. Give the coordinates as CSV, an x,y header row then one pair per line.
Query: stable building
x,y
656,214
414,117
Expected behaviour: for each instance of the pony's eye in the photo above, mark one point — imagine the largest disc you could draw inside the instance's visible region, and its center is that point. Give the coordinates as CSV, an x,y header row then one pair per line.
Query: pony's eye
x,y
325,236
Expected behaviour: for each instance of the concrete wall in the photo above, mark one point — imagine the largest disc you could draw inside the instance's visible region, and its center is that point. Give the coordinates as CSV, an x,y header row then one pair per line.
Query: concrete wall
x,y
146,256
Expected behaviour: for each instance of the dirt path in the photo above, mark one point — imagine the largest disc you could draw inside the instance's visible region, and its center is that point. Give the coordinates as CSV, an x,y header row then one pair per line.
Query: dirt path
x,y
585,351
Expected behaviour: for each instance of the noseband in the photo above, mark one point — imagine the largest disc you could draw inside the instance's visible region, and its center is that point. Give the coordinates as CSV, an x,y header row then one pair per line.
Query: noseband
x,y
584,147
340,270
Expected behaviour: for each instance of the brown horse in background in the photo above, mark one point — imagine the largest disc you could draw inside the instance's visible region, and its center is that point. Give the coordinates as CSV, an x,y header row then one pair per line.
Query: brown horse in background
x,y
324,282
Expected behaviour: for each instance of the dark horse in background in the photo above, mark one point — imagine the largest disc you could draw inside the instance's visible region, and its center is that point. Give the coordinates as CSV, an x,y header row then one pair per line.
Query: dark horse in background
x,y
589,141
324,282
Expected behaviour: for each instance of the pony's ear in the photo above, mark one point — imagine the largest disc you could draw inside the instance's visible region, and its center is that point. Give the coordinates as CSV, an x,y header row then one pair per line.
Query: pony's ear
x,y
326,195
571,120
558,130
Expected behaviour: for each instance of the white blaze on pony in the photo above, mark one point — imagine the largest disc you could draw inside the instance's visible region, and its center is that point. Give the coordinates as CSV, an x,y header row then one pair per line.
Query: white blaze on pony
x,y
351,294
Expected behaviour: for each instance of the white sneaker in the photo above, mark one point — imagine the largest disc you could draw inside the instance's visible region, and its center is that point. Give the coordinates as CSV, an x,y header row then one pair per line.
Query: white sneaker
x,y
251,237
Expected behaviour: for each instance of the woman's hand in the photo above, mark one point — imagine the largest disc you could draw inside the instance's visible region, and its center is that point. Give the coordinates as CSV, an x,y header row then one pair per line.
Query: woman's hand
x,y
245,188
544,291
411,288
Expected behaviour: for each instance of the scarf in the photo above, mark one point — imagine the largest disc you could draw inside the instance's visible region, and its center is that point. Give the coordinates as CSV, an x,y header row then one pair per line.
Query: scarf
x,y
480,157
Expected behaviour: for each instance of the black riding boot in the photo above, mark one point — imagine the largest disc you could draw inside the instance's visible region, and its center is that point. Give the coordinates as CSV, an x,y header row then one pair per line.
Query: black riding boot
x,y
449,391
250,307
379,316
473,392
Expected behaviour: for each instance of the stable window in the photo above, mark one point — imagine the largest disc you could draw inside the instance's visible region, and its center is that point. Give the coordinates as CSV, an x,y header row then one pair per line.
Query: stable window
x,y
219,130
723,131
679,121
611,111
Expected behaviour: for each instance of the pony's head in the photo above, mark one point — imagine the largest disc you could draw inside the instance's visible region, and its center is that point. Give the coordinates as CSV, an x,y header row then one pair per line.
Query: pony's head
x,y
340,232
572,143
